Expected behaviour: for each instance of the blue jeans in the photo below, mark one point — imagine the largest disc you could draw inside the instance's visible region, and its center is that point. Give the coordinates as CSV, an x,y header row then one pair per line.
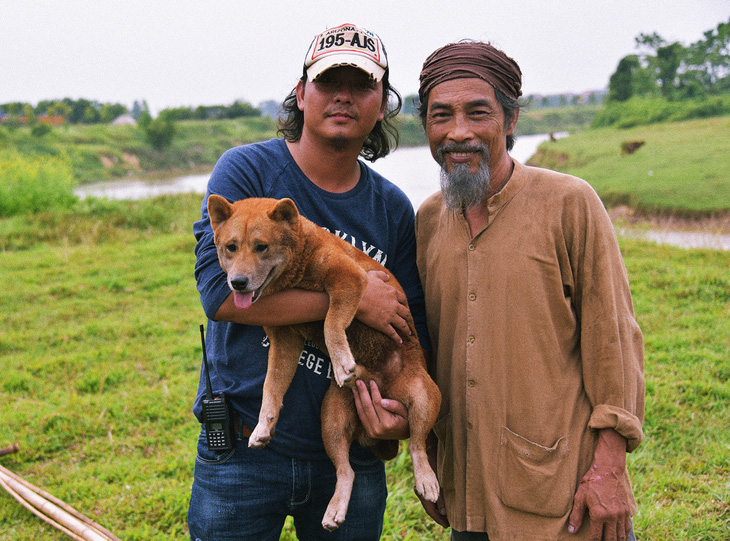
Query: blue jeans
x,y
246,494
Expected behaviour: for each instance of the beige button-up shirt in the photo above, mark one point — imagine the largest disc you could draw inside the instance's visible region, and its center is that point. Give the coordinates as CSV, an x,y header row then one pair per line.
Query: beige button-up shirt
x,y
536,348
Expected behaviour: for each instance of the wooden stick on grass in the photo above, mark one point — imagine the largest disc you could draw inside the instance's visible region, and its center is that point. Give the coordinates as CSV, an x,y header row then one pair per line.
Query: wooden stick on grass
x,y
52,510
10,449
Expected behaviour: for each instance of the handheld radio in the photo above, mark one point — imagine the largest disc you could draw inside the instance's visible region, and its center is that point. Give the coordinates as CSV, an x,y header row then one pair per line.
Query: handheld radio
x,y
216,416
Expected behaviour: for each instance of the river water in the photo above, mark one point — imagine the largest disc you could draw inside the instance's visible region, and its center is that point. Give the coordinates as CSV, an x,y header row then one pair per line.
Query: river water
x,y
412,168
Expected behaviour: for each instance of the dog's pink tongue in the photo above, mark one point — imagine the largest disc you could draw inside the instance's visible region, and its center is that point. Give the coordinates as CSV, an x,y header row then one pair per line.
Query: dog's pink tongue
x,y
242,300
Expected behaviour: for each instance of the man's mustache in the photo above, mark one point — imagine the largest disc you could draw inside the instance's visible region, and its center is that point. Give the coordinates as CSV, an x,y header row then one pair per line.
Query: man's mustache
x,y
460,147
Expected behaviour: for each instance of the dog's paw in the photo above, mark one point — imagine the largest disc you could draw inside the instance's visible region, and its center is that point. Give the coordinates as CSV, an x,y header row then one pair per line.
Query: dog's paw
x,y
348,377
334,517
345,377
427,486
259,438
346,370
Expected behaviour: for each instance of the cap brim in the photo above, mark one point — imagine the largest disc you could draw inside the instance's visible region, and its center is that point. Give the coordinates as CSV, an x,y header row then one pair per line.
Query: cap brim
x,y
373,69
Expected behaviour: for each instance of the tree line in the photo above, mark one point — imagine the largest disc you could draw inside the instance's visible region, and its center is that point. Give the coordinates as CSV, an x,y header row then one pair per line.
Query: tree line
x,y
81,111
661,71
84,111
673,71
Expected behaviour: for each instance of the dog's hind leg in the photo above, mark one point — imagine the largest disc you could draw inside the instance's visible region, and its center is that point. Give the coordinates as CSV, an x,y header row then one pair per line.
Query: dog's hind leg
x,y
422,398
339,420
286,346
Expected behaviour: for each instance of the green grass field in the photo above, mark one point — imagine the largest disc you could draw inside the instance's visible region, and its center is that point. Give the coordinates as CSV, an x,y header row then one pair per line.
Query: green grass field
x,y
682,168
100,356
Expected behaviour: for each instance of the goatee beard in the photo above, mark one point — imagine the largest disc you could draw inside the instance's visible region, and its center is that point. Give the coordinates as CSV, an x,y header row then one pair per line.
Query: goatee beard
x,y
339,143
460,187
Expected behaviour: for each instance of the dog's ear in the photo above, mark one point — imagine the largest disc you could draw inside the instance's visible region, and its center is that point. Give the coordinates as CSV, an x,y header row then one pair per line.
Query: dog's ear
x,y
285,210
219,210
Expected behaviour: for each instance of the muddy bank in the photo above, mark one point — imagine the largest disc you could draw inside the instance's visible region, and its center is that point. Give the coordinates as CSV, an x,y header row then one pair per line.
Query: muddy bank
x,y
718,223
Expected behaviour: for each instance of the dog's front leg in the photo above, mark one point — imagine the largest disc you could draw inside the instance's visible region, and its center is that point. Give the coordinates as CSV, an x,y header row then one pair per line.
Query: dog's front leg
x,y
345,291
286,346
338,429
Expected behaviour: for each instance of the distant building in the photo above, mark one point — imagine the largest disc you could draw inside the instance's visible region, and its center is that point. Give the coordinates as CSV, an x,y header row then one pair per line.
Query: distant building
x,y
53,120
271,108
124,120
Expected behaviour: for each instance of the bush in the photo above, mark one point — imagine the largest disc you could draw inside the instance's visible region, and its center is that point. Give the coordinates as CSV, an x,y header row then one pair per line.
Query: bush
x,y
644,111
39,130
160,131
31,184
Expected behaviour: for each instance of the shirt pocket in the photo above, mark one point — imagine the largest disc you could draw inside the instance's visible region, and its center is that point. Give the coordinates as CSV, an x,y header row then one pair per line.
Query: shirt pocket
x,y
533,478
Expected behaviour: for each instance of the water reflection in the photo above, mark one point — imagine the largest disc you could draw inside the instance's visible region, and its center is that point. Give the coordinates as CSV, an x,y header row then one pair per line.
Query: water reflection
x,y
141,189
683,239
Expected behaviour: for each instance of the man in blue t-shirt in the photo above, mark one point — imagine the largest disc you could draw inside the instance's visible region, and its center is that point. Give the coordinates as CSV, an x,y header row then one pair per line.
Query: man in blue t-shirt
x,y
338,112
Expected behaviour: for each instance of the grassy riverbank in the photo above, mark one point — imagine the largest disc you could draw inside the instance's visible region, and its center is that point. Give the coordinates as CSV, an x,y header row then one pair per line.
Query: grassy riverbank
x,y
101,354
682,168
102,151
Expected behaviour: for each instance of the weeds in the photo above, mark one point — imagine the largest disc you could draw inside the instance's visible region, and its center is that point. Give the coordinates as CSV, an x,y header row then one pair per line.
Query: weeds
x,y
32,184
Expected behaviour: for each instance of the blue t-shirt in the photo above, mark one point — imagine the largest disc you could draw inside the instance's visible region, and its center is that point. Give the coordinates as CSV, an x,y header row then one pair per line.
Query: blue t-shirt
x,y
376,216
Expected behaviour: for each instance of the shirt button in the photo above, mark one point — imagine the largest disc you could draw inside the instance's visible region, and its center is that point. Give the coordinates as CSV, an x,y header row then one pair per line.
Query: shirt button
x,y
472,247
472,297
471,383
470,340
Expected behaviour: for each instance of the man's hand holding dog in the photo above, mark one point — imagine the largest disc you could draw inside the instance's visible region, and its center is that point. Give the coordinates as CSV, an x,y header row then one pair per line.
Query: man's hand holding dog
x,y
381,418
383,307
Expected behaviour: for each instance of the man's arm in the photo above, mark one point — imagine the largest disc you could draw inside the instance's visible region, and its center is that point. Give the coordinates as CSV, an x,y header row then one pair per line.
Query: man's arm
x,y
602,492
284,308
382,308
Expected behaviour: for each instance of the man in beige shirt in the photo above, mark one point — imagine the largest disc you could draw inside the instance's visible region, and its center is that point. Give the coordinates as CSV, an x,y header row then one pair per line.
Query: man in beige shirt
x,y
536,349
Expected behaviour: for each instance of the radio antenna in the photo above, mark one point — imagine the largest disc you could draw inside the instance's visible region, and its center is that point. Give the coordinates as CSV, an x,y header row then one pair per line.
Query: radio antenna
x,y
208,387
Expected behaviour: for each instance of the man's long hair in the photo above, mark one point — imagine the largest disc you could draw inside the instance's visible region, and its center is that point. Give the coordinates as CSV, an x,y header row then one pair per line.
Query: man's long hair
x,y
378,143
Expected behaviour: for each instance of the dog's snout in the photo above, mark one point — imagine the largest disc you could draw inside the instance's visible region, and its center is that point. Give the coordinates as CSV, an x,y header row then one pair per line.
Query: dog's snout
x,y
240,283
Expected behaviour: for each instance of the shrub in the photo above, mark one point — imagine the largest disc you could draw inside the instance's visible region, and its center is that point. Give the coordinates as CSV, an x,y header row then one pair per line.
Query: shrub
x,y
643,111
31,184
39,130
160,131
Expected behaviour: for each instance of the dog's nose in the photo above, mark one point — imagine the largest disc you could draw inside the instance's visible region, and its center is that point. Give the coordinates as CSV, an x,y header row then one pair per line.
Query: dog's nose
x,y
239,283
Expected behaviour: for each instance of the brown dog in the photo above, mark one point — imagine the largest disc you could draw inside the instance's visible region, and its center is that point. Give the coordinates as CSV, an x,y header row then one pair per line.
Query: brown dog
x,y
265,246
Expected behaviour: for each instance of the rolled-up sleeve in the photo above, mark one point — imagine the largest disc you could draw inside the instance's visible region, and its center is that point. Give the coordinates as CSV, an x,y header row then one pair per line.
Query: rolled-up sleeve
x,y
611,342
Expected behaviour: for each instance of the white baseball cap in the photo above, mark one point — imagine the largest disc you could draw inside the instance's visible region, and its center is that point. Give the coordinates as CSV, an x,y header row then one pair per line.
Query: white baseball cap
x,y
346,45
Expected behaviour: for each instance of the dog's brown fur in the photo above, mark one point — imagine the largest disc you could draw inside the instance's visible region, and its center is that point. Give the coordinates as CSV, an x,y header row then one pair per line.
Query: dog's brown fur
x,y
265,246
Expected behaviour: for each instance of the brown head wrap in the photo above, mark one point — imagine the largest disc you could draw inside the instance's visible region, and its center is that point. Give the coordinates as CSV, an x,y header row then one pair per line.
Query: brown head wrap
x,y
471,59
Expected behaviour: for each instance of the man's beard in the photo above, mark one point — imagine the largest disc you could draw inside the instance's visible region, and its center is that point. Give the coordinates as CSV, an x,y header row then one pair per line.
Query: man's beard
x,y
339,143
460,187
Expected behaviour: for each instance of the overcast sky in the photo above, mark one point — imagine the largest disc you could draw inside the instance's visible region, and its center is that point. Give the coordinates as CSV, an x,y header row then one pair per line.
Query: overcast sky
x,y
188,53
